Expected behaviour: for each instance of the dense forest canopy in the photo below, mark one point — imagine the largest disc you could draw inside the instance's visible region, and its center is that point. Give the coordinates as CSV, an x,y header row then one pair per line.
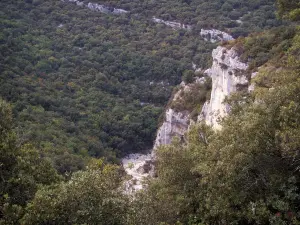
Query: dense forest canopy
x,y
77,84
91,83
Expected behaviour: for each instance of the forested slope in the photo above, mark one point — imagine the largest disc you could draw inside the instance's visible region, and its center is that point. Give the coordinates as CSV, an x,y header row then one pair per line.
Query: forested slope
x,y
78,83
91,83
247,172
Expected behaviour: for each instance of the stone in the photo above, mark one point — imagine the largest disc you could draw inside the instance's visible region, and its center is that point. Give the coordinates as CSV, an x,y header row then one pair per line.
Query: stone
x,y
175,124
174,25
214,35
228,75
98,7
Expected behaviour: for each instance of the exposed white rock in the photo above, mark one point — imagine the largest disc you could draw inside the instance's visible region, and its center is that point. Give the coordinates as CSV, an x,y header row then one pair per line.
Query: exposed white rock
x,y
228,75
79,3
214,35
175,124
194,66
105,9
119,11
98,7
174,25
138,166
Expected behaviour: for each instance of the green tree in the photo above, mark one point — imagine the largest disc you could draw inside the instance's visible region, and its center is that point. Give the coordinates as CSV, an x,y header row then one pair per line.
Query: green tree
x,y
289,9
89,197
22,170
188,76
8,152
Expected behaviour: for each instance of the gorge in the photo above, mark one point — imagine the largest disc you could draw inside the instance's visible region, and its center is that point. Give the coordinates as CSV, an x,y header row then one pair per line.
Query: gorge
x,y
228,75
135,112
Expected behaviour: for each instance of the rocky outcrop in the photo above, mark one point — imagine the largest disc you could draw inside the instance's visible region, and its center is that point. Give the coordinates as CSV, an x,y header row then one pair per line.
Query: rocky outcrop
x,y
174,25
98,7
138,167
228,75
105,9
214,35
175,124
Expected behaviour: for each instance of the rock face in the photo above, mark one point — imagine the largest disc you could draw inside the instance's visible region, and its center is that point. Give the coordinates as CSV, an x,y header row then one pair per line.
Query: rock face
x,y
175,124
174,25
105,9
98,7
228,75
215,35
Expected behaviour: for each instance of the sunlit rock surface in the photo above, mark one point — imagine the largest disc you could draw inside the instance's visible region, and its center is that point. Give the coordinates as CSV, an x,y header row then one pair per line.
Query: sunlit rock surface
x,y
138,167
214,35
98,7
228,75
175,124
174,25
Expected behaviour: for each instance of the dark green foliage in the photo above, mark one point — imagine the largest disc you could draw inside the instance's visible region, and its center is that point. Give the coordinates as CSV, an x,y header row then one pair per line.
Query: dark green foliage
x,y
193,98
254,15
85,82
188,76
22,171
90,197
9,151
260,48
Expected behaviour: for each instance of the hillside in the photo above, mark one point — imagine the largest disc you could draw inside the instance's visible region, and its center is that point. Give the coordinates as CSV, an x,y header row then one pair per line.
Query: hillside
x,y
84,84
244,167
95,83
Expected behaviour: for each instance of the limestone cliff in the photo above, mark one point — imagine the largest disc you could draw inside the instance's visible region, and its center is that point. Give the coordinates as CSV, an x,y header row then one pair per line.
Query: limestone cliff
x,y
214,35
98,7
174,25
175,124
228,75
